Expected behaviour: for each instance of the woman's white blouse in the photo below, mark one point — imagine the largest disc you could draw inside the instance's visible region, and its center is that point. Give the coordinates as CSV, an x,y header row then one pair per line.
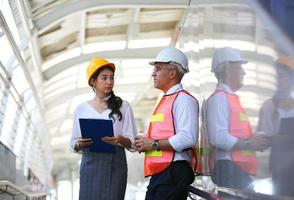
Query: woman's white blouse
x,y
126,127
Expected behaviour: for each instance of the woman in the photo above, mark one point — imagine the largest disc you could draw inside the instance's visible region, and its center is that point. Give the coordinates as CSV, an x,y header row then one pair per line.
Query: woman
x,y
103,175
275,110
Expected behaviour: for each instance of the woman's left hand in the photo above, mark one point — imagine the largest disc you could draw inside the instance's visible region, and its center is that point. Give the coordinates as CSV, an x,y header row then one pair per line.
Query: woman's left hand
x,y
112,140
118,140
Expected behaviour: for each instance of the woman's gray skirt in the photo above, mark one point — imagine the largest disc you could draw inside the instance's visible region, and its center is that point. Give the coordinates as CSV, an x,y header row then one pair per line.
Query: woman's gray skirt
x,y
103,176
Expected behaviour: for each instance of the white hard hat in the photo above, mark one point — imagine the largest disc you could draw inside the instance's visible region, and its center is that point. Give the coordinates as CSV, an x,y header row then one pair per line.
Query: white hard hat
x,y
171,54
225,54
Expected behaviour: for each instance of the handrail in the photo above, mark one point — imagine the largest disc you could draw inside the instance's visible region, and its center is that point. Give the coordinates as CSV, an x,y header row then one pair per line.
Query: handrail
x,y
14,190
247,194
199,192
229,192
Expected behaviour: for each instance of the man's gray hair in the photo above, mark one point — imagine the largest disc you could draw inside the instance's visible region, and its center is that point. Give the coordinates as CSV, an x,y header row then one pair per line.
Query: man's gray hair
x,y
180,68
180,71
220,71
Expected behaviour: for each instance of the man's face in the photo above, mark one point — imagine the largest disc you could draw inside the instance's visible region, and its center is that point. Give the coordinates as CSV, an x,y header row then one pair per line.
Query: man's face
x,y
161,76
236,75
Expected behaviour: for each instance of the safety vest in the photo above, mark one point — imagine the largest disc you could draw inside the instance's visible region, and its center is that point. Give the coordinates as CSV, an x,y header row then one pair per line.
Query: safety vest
x,y
202,153
240,128
161,127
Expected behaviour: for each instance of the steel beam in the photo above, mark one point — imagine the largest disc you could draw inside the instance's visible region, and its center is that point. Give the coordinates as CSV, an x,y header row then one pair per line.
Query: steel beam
x,y
72,7
142,53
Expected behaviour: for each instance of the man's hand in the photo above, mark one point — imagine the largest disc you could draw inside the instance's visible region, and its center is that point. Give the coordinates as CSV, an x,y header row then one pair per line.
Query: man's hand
x,y
143,144
259,142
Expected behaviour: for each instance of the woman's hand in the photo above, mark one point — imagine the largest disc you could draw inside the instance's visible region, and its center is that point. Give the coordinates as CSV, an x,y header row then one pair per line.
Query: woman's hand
x,y
111,140
118,140
83,143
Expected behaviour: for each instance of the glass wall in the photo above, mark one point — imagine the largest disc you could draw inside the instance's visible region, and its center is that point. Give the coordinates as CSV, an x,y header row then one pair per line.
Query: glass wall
x,y
247,150
22,133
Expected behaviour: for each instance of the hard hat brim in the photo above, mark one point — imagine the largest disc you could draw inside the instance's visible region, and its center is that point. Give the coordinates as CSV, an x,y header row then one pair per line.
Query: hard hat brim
x,y
184,70
243,62
106,65
215,68
158,61
285,60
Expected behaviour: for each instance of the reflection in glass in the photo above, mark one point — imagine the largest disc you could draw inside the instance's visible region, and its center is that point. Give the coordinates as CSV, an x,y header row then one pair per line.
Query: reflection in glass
x,y
276,120
19,80
228,128
7,129
20,134
212,25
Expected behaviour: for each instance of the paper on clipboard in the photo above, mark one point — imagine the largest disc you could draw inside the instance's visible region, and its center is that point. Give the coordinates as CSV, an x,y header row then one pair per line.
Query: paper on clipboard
x,y
97,129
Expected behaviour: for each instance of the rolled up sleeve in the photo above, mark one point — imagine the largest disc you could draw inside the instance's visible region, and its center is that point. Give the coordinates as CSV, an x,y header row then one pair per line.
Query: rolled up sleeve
x,y
217,121
185,111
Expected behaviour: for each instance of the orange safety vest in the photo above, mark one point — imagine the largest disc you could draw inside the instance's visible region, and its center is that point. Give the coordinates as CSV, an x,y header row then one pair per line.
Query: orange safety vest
x,y
161,127
240,128
203,151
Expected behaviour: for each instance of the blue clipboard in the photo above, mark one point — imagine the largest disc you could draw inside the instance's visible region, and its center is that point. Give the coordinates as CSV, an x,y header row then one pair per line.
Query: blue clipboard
x,y
287,126
97,129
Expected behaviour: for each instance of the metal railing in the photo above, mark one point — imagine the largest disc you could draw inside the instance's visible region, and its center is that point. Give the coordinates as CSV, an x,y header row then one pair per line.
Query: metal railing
x,y
199,193
229,193
6,187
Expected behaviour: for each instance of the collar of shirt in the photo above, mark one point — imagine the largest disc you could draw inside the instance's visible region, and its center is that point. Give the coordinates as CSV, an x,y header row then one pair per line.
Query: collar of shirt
x,y
106,98
225,87
174,89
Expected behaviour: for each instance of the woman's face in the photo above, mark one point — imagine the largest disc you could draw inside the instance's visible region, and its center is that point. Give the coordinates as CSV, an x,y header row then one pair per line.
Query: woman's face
x,y
104,82
283,80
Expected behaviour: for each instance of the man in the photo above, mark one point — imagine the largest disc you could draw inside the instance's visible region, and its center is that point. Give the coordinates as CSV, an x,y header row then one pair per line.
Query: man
x,y
172,132
228,127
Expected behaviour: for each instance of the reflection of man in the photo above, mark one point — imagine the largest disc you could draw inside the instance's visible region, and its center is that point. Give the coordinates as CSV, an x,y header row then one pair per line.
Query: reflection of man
x,y
228,127
275,109
172,131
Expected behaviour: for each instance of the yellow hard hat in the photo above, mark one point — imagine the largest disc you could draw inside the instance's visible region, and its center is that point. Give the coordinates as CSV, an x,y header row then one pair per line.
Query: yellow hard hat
x,y
285,60
97,63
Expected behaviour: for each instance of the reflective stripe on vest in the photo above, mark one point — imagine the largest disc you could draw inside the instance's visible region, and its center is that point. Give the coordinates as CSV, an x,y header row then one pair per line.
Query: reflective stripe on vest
x,y
161,127
240,128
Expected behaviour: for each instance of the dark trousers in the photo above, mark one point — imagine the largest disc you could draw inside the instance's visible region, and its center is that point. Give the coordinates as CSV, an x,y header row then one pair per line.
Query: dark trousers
x,y
171,183
282,165
283,184
228,174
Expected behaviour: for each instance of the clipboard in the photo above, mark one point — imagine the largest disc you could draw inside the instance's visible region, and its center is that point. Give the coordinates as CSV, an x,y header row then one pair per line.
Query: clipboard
x,y
97,129
287,126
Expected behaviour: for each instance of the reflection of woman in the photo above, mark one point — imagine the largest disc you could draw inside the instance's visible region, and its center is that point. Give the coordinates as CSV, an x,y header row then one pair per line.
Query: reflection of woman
x,y
281,105
104,175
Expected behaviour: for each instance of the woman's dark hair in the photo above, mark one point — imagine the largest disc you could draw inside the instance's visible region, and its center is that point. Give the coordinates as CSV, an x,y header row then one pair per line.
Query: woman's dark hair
x,y
114,102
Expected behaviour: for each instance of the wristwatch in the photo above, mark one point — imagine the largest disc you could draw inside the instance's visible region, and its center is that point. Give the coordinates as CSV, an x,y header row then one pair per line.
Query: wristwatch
x,y
155,145
245,144
248,144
